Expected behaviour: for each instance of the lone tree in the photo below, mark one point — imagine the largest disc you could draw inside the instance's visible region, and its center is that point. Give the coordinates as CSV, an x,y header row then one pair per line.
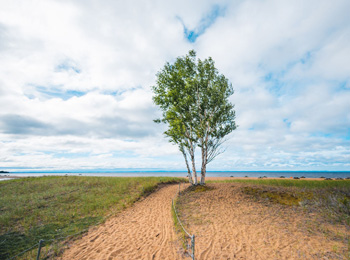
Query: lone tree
x,y
193,97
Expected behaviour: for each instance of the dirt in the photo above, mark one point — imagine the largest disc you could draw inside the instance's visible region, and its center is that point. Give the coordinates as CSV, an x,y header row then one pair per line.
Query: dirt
x,y
144,231
227,223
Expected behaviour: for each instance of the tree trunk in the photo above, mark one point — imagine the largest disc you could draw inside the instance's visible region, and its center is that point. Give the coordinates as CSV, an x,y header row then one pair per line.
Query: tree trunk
x,y
195,182
203,173
204,157
188,167
204,165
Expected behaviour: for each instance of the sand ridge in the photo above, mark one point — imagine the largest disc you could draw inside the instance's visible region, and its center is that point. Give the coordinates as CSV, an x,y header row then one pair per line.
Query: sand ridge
x,y
143,231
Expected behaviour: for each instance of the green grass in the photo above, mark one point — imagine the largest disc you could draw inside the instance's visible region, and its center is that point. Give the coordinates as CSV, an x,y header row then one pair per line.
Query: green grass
x,y
277,196
178,228
51,208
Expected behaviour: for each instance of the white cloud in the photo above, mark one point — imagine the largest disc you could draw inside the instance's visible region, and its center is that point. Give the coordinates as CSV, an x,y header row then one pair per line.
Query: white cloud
x,y
75,81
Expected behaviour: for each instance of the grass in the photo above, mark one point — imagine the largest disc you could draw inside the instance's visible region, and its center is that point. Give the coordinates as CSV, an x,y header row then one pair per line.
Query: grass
x,y
52,208
310,184
277,196
178,228
179,203
189,207
330,198
198,188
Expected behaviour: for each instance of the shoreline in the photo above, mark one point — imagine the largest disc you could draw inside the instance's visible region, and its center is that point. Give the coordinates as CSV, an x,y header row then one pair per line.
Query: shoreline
x,y
219,178
257,178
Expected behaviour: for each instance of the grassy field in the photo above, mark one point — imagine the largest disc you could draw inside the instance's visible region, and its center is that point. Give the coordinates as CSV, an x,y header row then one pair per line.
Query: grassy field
x,y
52,208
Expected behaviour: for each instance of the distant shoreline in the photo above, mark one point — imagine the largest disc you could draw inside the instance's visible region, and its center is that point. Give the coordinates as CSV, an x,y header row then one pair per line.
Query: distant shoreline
x,y
209,178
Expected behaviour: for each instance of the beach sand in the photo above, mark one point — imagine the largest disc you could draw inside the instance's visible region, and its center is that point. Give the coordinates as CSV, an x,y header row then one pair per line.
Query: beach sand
x,y
227,224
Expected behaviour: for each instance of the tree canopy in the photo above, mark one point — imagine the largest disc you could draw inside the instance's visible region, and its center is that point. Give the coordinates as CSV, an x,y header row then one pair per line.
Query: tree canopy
x,y
194,99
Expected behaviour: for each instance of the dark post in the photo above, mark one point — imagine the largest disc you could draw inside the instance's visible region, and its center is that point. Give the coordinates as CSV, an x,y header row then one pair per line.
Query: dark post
x,y
39,249
192,240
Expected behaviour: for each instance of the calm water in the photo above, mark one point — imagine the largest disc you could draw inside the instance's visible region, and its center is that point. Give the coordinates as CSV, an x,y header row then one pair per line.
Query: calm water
x,y
307,174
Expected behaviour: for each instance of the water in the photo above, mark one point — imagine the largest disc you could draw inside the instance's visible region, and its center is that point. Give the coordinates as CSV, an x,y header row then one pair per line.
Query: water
x,y
276,174
5,179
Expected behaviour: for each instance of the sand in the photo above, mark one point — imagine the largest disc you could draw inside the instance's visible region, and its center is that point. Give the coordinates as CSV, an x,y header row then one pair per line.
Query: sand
x,y
230,225
227,223
144,231
256,178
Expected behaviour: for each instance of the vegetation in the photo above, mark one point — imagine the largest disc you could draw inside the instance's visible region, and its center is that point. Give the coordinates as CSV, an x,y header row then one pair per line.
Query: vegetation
x,y
329,198
323,206
179,203
178,228
193,97
52,208
310,184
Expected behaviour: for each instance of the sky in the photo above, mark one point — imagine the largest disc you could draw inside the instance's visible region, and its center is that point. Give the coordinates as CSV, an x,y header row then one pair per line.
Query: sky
x,y
76,77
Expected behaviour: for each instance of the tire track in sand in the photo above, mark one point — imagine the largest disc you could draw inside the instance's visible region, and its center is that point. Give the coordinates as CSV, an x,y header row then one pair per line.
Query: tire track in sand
x,y
143,231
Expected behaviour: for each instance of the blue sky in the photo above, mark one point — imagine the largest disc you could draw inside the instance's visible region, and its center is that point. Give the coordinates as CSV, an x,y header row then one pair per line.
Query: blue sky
x,y
76,77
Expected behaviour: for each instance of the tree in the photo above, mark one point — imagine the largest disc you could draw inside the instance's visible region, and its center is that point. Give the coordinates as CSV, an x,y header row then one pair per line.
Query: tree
x,y
193,97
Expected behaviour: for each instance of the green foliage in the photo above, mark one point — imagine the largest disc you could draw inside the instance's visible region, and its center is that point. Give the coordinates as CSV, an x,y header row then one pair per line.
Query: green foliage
x,y
193,97
174,94
53,207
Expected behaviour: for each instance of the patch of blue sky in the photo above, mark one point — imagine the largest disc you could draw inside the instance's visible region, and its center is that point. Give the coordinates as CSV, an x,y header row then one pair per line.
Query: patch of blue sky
x,y
306,58
113,93
347,135
344,85
20,154
322,134
275,83
208,20
287,122
117,93
56,92
68,65
258,126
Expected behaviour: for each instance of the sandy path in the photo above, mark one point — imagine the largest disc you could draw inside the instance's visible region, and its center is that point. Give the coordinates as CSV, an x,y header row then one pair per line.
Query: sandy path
x,y
229,225
144,231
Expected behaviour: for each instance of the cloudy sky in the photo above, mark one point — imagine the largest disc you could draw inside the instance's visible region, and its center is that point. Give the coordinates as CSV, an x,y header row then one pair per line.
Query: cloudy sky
x,y
76,77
